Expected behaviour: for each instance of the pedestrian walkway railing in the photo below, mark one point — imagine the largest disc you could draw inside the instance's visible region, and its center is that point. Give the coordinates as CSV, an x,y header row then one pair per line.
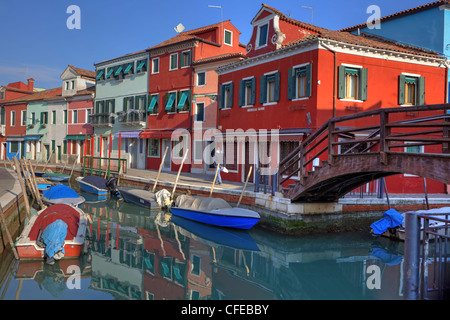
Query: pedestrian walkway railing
x,y
103,166
426,273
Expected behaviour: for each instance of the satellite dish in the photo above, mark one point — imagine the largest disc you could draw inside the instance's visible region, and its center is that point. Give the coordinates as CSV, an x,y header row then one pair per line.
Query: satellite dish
x,y
179,28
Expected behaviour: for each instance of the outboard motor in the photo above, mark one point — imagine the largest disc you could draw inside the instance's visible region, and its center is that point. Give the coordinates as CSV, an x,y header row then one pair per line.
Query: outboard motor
x,y
111,185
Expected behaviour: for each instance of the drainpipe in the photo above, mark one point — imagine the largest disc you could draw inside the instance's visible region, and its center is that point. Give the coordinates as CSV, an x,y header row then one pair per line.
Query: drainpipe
x,y
334,78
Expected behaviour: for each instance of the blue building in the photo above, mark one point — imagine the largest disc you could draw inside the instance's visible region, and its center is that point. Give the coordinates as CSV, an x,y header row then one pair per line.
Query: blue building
x,y
426,26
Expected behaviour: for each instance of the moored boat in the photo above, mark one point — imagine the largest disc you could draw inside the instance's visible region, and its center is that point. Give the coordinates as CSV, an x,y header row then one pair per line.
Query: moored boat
x,y
93,184
55,232
53,176
62,194
139,197
214,211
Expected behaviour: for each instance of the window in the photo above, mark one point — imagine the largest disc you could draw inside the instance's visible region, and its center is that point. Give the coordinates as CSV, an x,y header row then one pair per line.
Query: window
x,y
201,78
128,69
247,92
299,82
153,148
88,116
13,118
54,117
184,100
270,88
110,72
67,85
153,107
73,84
14,146
352,83
179,147
65,116
24,117
2,95
33,118
262,35
118,74
75,116
141,66
100,75
228,37
155,65
140,103
173,61
286,147
226,96
171,98
411,90
200,112
198,150
185,59
44,118
2,115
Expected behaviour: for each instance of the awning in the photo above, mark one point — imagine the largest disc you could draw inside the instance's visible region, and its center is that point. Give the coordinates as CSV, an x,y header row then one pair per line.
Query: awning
x,y
130,65
119,69
15,138
99,75
110,71
141,65
128,134
153,103
77,137
156,134
182,100
33,137
170,102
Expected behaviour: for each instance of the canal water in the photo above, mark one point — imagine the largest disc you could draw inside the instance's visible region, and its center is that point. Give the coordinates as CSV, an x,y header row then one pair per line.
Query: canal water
x,y
139,254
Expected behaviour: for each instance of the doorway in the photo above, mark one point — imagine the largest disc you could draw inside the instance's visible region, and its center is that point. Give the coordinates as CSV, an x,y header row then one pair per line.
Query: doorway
x,y
167,161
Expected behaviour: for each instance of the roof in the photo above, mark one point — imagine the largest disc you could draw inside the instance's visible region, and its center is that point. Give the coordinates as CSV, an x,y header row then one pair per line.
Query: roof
x,y
188,35
83,72
47,94
402,13
362,40
221,57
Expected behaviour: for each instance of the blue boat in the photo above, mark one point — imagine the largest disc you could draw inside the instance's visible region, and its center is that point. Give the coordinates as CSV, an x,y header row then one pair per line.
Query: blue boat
x,y
62,194
93,184
214,211
140,197
60,177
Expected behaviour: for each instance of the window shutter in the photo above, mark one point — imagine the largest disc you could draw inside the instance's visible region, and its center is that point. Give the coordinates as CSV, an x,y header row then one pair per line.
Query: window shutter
x,y
125,104
401,89
263,90
230,101
221,96
308,80
277,86
241,93
253,97
291,84
421,91
341,83
363,84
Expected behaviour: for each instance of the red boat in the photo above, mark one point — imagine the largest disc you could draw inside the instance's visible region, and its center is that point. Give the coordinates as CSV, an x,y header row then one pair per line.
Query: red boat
x,y
76,221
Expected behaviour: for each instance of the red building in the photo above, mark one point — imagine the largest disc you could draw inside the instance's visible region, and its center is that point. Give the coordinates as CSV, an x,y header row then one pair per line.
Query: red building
x,y
172,80
297,76
10,92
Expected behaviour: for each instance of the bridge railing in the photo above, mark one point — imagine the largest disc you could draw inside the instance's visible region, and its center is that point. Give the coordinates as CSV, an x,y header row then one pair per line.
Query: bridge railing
x,y
389,130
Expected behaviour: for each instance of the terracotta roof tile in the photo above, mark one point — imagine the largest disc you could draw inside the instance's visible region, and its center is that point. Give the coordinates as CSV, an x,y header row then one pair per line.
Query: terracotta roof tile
x,y
219,58
46,94
83,72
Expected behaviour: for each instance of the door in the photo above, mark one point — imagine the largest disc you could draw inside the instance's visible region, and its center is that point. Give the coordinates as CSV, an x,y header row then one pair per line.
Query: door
x,y
168,159
47,152
132,153
142,152
249,160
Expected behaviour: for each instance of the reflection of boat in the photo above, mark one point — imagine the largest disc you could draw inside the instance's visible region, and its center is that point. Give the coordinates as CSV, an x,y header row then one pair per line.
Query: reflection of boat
x,y
62,194
56,176
93,184
139,197
214,211
42,226
232,238
435,226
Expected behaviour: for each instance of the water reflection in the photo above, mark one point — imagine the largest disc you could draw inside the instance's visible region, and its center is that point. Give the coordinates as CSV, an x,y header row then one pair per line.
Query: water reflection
x,y
140,254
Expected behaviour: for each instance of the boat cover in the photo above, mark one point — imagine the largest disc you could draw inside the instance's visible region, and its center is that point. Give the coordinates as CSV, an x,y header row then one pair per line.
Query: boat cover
x,y
96,181
53,237
60,211
391,219
201,203
60,191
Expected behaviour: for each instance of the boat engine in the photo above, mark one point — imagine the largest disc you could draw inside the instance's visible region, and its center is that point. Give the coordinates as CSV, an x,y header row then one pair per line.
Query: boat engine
x,y
111,185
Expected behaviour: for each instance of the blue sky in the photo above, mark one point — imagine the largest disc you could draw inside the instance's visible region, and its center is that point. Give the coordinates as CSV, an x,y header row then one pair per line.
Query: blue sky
x,y
35,41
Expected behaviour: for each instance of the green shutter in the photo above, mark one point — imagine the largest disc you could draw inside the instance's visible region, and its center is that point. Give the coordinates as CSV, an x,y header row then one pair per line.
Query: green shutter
x,y
308,70
241,93
170,98
230,101
363,84
253,97
341,82
277,86
401,89
421,91
182,100
65,147
291,84
99,74
263,90
152,105
221,96
124,108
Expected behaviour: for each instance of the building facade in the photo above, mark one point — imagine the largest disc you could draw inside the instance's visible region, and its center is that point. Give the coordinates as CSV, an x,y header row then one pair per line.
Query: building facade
x,y
297,76
120,108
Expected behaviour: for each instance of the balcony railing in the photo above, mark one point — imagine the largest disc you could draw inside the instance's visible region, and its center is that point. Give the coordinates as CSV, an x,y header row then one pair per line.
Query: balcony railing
x,y
102,119
132,117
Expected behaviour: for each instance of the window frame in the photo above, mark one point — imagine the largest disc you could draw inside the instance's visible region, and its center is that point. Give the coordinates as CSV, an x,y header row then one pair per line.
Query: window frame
x,y
23,118
171,68
155,62
150,99
258,44
247,92
184,60
361,88
196,111
198,84
13,117
231,37
149,148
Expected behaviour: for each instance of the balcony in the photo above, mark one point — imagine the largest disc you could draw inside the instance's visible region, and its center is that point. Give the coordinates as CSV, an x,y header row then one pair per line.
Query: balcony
x,y
102,119
132,118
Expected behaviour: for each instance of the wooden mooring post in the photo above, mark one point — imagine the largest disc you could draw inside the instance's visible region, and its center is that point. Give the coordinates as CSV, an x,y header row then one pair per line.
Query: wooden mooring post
x,y
3,220
22,186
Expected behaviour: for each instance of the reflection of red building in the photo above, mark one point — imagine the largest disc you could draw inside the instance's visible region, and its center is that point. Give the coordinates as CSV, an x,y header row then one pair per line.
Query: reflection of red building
x,y
10,92
171,87
297,76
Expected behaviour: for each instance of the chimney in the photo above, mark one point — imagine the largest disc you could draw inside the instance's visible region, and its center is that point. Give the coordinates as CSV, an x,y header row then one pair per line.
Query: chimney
x,y
30,84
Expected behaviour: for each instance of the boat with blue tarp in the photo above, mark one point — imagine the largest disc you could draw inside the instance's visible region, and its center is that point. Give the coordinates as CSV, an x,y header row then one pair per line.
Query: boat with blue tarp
x,y
62,194
93,184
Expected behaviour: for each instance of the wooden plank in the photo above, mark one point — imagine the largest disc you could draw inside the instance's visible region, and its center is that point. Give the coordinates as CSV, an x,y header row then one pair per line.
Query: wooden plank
x,y
22,186
3,219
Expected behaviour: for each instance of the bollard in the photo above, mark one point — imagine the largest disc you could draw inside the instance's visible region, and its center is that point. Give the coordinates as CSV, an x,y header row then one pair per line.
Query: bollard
x,y
411,257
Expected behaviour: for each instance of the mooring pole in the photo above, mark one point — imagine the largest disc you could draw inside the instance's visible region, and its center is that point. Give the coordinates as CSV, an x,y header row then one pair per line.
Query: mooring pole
x,y
411,257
